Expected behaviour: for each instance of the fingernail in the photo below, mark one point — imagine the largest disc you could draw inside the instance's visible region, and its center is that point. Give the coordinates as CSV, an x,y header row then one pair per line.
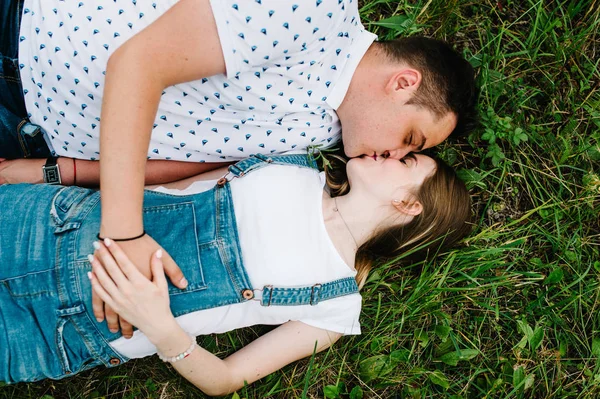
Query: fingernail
x,y
107,242
159,254
183,282
99,320
113,330
90,258
89,275
96,245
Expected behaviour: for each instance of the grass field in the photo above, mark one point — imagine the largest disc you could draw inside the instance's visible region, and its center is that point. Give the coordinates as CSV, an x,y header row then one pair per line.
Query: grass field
x,y
514,313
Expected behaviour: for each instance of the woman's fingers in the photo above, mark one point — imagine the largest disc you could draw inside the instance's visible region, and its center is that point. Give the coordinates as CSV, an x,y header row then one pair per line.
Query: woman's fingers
x,y
104,279
109,264
123,261
112,319
98,289
110,288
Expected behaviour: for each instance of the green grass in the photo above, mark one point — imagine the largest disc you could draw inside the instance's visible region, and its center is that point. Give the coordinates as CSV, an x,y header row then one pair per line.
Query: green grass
x,y
514,312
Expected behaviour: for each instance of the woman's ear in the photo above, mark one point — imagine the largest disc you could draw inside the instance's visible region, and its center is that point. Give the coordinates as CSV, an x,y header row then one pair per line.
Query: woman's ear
x,y
408,207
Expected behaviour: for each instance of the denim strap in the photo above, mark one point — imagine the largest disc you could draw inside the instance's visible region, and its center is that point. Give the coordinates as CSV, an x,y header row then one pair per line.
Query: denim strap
x,y
275,296
257,161
278,296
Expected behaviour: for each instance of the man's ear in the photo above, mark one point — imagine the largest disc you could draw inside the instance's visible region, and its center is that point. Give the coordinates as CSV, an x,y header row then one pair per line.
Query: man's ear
x,y
408,79
408,207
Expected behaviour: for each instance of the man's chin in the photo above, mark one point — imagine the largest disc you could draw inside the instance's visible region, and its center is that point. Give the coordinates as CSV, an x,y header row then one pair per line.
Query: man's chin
x,y
351,152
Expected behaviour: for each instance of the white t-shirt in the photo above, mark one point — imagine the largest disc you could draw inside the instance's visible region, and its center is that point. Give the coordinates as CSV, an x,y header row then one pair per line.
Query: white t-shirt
x,y
288,65
284,242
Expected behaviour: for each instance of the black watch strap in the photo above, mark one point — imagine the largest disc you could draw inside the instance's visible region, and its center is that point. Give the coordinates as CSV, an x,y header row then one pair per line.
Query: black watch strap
x,y
51,171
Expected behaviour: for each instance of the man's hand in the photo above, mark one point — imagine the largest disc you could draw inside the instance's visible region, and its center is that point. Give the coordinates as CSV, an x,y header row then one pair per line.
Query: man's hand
x,y
15,171
139,252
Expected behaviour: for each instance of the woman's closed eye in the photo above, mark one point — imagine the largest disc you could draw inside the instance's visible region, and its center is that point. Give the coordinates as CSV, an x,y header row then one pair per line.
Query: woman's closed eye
x,y
410,156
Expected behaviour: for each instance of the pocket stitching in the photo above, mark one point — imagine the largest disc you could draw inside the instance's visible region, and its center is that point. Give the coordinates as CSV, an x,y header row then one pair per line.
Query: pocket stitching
x,y
93,358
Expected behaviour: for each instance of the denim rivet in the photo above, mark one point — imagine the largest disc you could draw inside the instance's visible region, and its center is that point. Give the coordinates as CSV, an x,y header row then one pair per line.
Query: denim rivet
x,y
248,294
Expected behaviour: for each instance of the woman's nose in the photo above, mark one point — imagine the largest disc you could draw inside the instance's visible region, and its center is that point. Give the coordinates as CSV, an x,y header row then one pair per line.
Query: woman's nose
x,y
396,154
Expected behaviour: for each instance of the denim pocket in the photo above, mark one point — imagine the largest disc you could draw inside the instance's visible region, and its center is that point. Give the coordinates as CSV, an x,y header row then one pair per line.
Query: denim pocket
x,y
36,284
72,344
65,209
173,226
29,341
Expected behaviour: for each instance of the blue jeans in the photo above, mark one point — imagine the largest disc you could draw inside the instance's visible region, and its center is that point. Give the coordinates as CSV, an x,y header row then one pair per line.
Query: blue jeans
x,y
18,137
47,326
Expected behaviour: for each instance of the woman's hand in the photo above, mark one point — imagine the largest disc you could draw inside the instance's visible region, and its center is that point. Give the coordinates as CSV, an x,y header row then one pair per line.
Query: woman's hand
x,y
139,253
143,302
13,171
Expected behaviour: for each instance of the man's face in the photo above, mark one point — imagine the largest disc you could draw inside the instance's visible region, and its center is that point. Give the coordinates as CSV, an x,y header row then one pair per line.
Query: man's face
x,y
394,132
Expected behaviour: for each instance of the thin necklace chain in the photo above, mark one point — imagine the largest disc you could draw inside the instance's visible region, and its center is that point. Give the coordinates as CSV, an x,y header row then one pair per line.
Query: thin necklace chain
x,y
337,210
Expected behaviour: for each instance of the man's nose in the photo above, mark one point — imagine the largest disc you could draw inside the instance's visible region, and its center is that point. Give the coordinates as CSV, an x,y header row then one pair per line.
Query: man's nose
x,y
397,154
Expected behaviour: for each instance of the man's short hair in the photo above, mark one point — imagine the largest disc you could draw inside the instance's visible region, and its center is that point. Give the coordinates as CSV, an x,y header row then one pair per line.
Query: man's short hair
x,y
448,80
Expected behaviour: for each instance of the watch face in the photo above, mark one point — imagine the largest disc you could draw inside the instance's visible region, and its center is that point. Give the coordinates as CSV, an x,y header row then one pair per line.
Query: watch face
x,y
52,175
30,129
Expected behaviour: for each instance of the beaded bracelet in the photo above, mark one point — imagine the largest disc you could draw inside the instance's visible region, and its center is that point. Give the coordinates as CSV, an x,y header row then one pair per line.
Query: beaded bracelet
x,y
182,355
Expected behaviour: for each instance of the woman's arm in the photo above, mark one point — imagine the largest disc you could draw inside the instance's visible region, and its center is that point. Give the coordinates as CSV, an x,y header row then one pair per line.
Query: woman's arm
x,y
287,343
146,304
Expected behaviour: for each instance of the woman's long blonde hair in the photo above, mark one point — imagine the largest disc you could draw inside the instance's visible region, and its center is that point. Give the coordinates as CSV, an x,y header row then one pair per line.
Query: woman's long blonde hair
x,y
442,223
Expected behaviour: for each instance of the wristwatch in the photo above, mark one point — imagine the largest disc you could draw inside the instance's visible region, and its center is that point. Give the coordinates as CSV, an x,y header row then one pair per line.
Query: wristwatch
x,y
51,171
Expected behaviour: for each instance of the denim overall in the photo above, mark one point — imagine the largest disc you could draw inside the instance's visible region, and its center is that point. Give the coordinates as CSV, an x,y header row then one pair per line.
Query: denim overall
x,y
47,327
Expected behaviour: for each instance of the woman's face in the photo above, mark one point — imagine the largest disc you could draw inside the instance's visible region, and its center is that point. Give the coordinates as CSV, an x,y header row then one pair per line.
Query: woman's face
x,y
389,179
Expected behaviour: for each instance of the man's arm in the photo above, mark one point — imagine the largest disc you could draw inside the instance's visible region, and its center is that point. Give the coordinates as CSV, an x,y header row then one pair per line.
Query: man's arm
x,y
157,171
88,172
181,46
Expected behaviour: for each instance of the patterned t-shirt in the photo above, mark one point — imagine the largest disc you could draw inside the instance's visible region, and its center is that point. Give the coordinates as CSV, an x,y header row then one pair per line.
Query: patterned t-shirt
x,y
288,65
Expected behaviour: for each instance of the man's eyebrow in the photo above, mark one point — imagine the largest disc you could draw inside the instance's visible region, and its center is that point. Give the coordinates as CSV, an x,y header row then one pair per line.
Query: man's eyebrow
x,y
423,140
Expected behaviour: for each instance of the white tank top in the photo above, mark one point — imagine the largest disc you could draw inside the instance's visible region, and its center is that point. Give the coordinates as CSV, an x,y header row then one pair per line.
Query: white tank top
x,y
284,243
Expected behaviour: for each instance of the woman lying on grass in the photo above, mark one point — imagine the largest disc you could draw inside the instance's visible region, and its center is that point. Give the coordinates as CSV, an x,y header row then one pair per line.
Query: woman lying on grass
x,y
266,245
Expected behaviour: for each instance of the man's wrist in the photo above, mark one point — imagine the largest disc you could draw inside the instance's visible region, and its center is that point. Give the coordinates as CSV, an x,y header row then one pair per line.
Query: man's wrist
x,y
66,170
51,171
120,228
